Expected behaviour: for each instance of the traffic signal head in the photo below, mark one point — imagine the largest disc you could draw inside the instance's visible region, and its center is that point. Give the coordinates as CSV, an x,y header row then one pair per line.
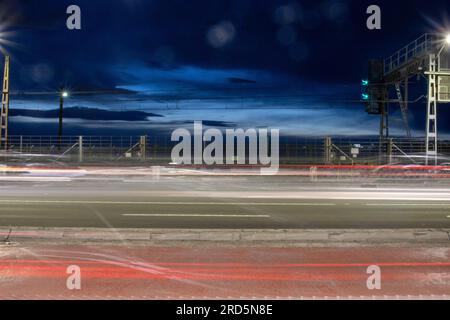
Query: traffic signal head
x,y
365,96
365,82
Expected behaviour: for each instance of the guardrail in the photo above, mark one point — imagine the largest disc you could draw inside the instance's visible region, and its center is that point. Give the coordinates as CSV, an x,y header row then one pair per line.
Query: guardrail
x,y
419,47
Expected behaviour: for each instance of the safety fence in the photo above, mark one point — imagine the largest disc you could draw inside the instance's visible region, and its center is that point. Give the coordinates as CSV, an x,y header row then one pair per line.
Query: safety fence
x,y
292,150
75,148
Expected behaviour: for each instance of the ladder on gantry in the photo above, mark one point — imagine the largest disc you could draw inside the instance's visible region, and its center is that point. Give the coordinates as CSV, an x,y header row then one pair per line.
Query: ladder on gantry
x,y
5,106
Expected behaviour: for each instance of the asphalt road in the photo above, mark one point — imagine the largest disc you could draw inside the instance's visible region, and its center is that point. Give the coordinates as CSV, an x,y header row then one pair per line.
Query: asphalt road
x,y
126,270
218,202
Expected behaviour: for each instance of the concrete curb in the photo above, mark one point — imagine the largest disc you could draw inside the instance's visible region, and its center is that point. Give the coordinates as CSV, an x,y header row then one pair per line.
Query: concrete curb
x,y
15,234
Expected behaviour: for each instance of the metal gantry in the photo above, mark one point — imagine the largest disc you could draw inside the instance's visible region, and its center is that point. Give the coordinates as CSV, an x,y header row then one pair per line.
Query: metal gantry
x,y
421,57
5,106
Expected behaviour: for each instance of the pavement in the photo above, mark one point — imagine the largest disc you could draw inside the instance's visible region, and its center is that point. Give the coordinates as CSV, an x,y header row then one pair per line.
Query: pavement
x,y
20,235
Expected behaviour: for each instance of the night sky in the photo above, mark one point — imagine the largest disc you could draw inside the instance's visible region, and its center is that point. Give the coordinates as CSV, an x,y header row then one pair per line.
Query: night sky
x,y
290,65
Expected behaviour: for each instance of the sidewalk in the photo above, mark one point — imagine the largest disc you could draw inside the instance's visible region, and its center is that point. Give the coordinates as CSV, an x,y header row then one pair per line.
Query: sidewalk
x,y
320,236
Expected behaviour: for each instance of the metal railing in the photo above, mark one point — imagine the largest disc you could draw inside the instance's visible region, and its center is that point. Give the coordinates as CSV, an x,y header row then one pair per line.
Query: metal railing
x,y
424,44
293,150
93,148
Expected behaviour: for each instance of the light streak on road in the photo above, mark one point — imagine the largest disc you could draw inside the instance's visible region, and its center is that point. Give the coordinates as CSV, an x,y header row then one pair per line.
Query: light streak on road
x,y
11,201
196,215
223,272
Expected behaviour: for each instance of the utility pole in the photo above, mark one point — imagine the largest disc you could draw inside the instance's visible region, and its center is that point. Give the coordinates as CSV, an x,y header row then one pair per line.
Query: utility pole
x,y
62,96
5,106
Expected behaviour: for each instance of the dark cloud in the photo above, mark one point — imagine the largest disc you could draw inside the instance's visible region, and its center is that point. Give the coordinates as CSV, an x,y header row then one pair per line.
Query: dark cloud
x,y
240,80
170,51
85,113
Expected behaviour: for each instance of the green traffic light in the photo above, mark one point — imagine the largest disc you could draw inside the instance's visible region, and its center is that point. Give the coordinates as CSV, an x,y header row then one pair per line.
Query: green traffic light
x,y
365,82
365,96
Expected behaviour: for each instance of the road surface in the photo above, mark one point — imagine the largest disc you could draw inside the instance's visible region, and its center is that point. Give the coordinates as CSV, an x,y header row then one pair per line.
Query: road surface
x,y
219,202
214,270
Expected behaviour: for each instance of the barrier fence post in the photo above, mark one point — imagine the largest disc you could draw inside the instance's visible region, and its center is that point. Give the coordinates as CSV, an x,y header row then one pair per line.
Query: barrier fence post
x,y
390,144
80,148
143,147
327,150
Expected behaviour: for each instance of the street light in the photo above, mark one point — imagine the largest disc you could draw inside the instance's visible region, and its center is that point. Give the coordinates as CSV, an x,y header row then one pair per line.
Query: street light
x,y
64,94
444,45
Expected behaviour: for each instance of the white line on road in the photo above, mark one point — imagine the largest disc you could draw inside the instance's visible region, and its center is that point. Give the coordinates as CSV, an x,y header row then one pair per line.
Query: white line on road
x,y
396,189
367,196
36,179
197,215
409,204
164,203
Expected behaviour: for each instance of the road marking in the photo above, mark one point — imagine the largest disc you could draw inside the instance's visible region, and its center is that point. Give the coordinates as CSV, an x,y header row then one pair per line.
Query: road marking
x,y
165,203
395,189
36,179
409,204
196,215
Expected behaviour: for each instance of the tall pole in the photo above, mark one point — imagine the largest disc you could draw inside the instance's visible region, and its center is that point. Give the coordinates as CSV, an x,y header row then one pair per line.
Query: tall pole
x,y
5,106
382,132
60,127
387,118
434,69
406,104
431,124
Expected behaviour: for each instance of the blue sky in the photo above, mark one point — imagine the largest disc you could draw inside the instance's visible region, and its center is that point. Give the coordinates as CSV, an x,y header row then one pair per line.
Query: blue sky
x,y
290,65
